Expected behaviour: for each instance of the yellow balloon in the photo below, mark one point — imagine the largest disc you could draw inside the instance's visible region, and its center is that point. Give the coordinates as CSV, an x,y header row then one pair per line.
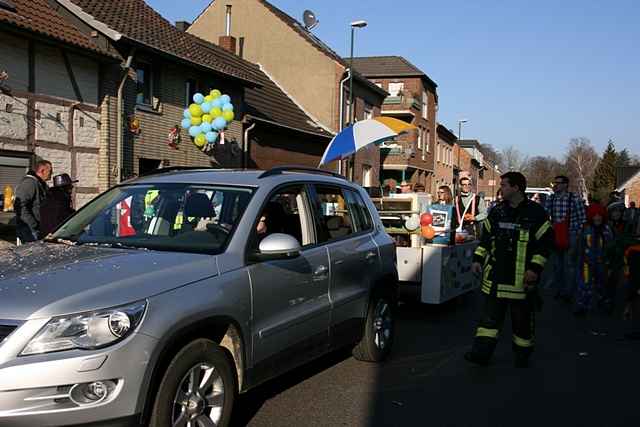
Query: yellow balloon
x,y
208,98
215,112
215,93
195,110
200,140
196,121
228,116
207,118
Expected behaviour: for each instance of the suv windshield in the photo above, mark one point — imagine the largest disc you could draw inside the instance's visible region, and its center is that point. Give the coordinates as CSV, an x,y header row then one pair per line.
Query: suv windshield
x,y
172,217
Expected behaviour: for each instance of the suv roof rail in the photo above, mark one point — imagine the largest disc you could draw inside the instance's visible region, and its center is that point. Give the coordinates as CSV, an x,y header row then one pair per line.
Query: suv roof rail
x,y
174,169
280,169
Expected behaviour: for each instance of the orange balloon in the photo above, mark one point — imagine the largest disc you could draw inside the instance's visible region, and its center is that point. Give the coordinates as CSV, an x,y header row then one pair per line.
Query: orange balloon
x,y
428,232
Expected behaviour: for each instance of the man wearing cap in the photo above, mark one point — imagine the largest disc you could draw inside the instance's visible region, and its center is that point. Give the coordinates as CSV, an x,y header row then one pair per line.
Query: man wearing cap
x,y
57,207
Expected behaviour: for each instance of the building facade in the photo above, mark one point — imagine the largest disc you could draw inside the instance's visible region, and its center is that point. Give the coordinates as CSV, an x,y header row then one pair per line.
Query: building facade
x,y
444,156
50,97
306,69
412,98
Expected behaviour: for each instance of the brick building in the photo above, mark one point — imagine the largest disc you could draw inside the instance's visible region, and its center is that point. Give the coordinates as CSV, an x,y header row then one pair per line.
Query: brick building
x,y
167,67
50,98
444,156
305,68
414,99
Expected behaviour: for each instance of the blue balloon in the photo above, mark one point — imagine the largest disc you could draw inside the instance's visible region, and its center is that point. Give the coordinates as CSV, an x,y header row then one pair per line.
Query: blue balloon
x,y
206,107
186,123
205,127
198,98
216,103
211,136
194,130
227,107
219,123
225,99
187,114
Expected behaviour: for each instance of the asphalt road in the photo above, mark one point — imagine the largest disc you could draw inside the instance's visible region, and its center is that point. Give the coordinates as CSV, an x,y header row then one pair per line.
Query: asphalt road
x,y
577,378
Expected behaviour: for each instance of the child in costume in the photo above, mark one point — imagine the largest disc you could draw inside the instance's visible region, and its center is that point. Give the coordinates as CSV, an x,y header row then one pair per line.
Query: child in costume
x,y
594,241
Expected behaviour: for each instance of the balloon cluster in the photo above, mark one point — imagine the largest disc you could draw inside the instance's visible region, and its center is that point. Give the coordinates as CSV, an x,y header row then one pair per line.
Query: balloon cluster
x,y
426,227
207,117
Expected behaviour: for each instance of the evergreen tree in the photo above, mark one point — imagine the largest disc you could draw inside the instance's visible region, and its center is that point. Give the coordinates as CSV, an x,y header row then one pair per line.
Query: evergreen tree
x,y
604,178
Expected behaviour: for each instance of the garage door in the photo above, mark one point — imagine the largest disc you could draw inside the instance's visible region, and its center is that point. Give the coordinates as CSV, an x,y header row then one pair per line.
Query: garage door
x,y
12,169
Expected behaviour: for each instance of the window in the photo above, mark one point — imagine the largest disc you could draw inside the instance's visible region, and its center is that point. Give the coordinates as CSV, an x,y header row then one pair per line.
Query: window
x,y
171,217
438,152
144,84
347,109
395,89
360,211
419,138
366,176
334,216
286,212
425,104
191,88
426,141
368,111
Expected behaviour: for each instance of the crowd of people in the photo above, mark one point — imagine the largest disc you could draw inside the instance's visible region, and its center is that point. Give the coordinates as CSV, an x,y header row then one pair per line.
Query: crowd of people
x,y
40,209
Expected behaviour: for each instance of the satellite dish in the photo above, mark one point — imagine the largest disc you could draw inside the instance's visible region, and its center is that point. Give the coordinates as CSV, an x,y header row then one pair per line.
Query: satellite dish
x,y
309,19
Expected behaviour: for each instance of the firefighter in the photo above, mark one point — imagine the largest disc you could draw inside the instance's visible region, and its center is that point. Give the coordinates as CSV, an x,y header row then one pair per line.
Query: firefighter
x,y
516,240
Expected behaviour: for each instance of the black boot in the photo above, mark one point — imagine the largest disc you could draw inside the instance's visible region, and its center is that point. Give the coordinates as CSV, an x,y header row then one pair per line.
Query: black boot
x,y
476,358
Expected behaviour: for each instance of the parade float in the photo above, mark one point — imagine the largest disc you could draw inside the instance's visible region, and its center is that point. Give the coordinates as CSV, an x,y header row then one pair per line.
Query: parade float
x,y
434,258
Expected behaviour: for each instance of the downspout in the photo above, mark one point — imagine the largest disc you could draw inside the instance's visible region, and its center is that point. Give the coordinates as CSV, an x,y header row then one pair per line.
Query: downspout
x,y
342,110
245,146
119,121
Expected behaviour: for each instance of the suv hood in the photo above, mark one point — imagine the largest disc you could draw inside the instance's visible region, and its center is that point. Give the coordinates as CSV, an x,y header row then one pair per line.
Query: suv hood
x,y
45,279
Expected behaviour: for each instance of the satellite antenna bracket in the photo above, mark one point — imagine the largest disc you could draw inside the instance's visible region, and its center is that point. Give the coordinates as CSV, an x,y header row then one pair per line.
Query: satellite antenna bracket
x,y
310,20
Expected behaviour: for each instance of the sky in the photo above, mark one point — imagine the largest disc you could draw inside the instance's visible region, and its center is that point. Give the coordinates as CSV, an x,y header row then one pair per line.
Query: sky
x,y
532,74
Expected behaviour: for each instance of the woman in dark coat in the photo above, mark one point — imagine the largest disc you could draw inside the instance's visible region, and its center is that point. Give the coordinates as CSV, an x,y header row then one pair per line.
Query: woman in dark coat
x,y
57,206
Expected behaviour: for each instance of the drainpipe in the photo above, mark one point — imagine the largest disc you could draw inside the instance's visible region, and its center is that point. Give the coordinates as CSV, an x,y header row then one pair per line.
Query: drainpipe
x,y
119,121
245,146
342,110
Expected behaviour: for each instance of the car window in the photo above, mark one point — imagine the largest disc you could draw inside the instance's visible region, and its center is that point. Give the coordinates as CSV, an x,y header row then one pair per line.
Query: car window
x,y
334,216
180,217
359,210
286,211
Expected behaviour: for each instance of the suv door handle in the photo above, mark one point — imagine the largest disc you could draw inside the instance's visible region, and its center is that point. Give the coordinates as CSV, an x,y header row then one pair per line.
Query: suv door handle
x,y
370,255
321,271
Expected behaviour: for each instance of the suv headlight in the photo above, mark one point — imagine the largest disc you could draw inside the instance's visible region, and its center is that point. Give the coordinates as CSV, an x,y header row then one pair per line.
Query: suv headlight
x,y
87,331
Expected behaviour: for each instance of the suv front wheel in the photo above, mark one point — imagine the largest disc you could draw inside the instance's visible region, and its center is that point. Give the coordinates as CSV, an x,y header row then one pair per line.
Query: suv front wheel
x,y
198,388
379,330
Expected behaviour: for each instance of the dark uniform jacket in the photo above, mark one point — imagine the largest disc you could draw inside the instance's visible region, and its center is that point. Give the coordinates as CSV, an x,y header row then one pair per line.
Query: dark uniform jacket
x,y
55,209
513,240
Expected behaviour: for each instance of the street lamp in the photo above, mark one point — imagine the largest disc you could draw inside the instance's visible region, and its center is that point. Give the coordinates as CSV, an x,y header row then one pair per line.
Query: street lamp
x,y
460,122
354,25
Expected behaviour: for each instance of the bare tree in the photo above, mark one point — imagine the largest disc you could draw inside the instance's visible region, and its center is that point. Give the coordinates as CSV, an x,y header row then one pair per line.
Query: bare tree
x,y
490,154
541,171
513,160
582,160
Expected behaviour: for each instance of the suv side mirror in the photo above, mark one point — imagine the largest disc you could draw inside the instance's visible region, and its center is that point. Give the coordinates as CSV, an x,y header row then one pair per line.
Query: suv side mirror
x,y
277,246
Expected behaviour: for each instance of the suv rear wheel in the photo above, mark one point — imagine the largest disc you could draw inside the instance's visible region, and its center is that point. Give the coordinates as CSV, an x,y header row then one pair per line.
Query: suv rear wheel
x,y
379,330
197,390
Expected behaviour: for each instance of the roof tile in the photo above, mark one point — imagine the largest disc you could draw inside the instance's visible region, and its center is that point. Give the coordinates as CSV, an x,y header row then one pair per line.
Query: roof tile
x,y
137,21
39,17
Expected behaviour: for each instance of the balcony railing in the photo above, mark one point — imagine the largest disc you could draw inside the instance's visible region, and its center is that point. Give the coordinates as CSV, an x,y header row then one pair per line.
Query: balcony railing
x,y
402,102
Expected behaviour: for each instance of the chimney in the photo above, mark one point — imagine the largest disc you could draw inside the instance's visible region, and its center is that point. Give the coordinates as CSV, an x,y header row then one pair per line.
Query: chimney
x,y
228,42
182,25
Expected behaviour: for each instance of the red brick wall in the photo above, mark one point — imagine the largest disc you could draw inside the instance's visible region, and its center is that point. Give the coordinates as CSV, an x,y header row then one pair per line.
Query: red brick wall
x,y
415,86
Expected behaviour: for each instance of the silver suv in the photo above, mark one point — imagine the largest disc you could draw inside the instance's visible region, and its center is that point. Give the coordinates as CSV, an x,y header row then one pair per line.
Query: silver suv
x,y
165,297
